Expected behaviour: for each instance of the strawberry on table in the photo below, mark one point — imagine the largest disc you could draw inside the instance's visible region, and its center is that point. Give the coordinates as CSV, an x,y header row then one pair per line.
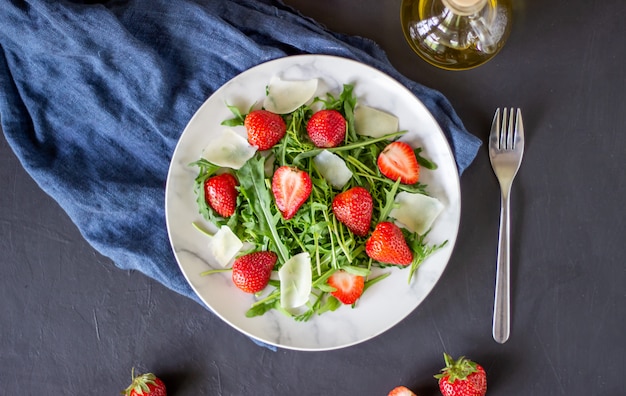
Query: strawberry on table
x,y
398,161
401,391
327,128
291,188
354,209
146,384
264,128
349,286
387,245
462,377
220,193
251,272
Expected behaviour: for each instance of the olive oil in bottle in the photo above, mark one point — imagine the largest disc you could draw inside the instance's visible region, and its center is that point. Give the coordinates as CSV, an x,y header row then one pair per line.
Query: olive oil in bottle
x,y
456,34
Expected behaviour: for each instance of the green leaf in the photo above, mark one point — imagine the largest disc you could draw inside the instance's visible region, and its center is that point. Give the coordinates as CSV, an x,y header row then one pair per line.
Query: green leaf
x,y
259,310
238,120
390,197
331,304
251,177
425,162
421,250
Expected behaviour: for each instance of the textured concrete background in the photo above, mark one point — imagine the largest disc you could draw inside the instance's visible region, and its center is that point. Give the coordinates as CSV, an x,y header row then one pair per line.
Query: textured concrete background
x,y
71,321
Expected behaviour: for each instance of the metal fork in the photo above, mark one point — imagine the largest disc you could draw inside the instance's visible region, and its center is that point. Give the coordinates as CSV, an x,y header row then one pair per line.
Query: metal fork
x,y
506,148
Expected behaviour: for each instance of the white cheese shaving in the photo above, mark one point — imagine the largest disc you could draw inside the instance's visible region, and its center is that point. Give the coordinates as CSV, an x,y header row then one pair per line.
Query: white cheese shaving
x,y
224,245
416,212
295,281
333,168
229,150
284,96
369,121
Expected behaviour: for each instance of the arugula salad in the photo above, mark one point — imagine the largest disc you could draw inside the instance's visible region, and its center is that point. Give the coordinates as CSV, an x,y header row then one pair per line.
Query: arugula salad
x,y
321,192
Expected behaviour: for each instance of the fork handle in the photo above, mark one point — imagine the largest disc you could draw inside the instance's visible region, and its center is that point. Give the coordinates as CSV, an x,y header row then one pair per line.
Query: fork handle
x,y
502,302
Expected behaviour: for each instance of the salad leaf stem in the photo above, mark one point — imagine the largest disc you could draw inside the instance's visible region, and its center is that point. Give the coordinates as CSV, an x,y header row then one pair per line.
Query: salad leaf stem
x,y
332,241
215,271
347,147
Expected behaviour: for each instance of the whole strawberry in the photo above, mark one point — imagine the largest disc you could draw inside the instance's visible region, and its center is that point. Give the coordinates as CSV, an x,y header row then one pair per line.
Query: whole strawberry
x,y
326,128
387,245
264,128
221,193
251,272
146,384
462,377
353,208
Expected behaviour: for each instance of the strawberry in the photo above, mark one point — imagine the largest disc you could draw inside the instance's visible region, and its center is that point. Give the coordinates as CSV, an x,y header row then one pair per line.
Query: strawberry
x,y
146,384
354,209
291,187
349,286
264,128
398,161
387,245
327,128
220,193
462,377
251,272
401,391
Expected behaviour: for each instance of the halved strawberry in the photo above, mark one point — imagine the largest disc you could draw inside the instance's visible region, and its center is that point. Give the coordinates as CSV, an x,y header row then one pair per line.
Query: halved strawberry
x,y
264,128
387,245
354,209
251,272
401,391
349,286
327,128
220,193
291,188
398,161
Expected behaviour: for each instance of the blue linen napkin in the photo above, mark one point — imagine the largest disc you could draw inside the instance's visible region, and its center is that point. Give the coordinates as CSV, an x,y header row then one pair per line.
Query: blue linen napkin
x,y
93,98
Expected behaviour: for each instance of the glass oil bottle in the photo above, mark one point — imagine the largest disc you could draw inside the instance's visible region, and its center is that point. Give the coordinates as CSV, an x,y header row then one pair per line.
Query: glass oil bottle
x,y
456,34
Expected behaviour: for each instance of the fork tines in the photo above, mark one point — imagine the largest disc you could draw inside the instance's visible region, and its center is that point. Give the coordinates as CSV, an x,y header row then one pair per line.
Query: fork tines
x,y
510,129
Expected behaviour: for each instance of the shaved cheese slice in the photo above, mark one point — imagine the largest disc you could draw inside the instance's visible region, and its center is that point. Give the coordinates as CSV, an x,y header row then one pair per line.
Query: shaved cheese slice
x,y
416,212
229,149
369,121
284,96
333,168
224,245
295,281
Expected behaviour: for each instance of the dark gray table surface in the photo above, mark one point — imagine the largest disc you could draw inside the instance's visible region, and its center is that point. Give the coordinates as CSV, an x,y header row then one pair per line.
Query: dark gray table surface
x,y
71,321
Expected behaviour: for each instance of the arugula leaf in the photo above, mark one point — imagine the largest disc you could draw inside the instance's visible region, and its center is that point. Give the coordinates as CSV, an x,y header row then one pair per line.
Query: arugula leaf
x,y
238,120
425,162
252,186
420,249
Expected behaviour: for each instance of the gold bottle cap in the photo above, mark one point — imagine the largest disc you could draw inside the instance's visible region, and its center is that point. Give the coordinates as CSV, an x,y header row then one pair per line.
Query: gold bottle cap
x,y
465,7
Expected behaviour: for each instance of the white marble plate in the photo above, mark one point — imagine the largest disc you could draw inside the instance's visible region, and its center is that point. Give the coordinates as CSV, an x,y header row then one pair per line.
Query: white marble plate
x,y
387,302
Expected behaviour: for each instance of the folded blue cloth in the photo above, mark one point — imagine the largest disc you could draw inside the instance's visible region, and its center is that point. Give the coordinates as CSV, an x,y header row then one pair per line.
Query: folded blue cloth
x,y
93,98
